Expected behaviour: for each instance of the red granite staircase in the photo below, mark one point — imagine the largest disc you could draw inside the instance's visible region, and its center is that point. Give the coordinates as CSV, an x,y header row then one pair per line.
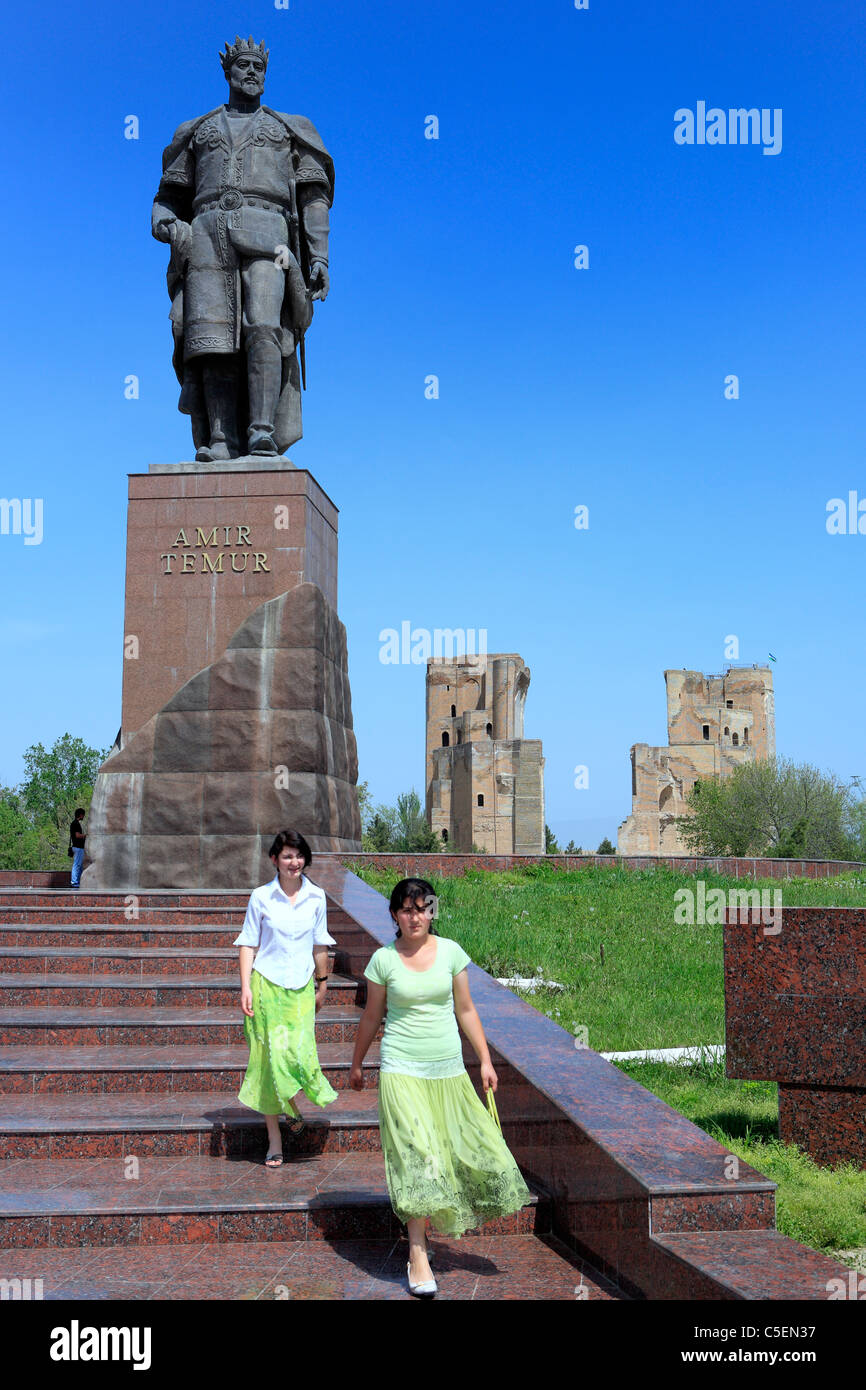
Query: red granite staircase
x,y
128,1167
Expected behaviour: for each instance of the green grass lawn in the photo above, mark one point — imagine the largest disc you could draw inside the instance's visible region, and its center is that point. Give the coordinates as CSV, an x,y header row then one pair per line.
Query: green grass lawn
x,y
632,976
635,979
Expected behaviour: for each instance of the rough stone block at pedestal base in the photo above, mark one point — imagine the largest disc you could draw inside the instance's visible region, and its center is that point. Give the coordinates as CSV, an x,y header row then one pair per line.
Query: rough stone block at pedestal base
x,y
259,741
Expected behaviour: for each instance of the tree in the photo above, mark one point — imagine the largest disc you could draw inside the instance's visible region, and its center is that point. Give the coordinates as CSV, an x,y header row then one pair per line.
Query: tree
x,y
21,843
724,817
59,779
774,807
605,847
857,828
364,804
413,833
35,817
379,835
551,845
395,829
855,824
572,848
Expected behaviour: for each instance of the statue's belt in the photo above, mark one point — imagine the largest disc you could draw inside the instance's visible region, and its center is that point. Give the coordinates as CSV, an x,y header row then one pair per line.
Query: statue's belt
x,y
233,199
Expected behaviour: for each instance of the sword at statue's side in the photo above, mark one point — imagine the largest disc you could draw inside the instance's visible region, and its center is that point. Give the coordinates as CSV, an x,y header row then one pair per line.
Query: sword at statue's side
x,y
303,347
295,231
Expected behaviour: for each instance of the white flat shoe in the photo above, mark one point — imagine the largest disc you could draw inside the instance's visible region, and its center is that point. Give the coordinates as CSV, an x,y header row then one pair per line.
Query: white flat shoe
x,y
425,1290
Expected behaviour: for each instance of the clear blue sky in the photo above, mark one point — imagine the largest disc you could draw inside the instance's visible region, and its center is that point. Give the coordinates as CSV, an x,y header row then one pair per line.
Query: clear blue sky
x,y
559,387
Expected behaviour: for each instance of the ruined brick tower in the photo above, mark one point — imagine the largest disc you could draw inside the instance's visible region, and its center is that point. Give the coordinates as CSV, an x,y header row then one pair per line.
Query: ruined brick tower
x,y
714,724
485,781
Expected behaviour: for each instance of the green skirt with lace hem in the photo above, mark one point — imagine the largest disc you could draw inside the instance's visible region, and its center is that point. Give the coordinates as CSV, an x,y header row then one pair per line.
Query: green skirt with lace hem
x,y
282,1041
444,1156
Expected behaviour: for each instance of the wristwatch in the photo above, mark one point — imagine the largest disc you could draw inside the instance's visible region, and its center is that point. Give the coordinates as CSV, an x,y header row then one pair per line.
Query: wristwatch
x,y
321,979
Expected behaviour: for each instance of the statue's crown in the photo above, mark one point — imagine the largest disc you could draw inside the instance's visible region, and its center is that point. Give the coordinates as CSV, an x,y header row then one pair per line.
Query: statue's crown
x,y
243,46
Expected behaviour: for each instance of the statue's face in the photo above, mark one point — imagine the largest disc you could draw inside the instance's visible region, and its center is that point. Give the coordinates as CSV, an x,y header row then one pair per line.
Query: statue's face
x,y
247,76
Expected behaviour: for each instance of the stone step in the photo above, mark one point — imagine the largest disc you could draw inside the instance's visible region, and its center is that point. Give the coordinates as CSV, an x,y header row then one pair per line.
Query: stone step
x,y
121,904
104,1070
158,991
133,959
117,934
62,1027
129,961
127,934
749,1265
59,1203
193,1122
143,900
485,1267
126,960
135,908
159,897
147,959
76,1125
72,914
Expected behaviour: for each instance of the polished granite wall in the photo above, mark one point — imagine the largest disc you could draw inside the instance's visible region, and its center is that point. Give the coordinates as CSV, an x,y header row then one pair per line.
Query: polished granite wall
x,y
795,1012
449,865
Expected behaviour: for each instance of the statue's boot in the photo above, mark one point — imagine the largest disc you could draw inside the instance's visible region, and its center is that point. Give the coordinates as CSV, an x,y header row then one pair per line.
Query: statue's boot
x,y
220,393
265,367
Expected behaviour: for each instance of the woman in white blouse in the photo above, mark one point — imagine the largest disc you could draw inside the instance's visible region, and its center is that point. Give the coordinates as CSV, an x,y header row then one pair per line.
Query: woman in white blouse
x,y
285,932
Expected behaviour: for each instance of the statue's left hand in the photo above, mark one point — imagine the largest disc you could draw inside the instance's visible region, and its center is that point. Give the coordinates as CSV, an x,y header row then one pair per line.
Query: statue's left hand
x,y
320,281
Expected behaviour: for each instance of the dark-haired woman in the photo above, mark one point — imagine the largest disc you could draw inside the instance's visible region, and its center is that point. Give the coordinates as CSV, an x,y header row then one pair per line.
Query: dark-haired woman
x,y
445,1158
286,921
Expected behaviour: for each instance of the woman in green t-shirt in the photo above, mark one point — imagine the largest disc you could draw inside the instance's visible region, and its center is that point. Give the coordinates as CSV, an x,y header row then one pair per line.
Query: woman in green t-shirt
x,y
445,1157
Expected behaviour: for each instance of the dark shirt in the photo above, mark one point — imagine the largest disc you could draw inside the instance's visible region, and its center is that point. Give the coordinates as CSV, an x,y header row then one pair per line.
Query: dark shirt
x,y
76,835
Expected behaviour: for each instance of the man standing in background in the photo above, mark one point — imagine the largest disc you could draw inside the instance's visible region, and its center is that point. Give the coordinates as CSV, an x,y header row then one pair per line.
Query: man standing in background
x,y
76,844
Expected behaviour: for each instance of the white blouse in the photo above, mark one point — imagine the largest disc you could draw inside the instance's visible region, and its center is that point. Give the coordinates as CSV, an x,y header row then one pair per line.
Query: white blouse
x,y
285,932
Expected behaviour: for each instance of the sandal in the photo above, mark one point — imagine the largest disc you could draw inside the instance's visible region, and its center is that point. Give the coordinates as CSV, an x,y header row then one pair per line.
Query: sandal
x,y
274,1160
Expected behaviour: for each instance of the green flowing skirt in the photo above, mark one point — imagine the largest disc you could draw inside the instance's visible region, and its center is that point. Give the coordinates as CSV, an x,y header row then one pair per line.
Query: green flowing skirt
x,y
445,1157
282,1041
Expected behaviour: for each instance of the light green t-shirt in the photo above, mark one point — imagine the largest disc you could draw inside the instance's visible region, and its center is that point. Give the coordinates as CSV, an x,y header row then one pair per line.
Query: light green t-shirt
x,y
420,1025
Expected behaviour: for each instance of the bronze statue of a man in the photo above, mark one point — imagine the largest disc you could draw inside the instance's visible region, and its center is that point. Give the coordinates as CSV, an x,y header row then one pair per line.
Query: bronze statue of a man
x,y
243,201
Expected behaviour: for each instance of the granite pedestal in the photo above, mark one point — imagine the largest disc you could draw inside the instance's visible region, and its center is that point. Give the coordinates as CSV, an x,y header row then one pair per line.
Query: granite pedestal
x,y
237,715
207,544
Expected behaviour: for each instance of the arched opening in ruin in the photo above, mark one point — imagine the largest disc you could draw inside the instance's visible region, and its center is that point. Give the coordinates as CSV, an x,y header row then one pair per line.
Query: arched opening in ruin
x,y
453,711
471,693
735,739
480,798
445,739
